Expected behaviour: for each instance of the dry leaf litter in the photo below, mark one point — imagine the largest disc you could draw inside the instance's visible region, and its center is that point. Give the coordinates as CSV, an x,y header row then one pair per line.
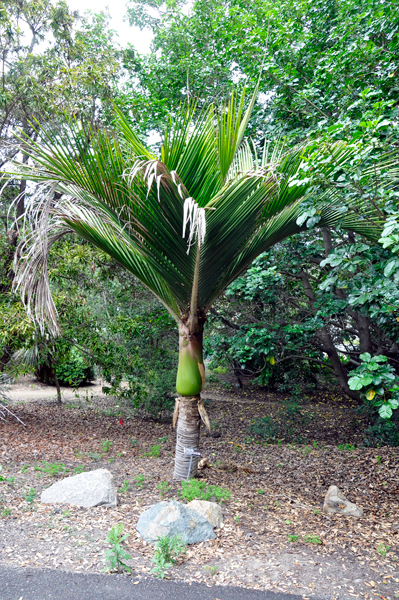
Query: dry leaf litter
x,y
274,536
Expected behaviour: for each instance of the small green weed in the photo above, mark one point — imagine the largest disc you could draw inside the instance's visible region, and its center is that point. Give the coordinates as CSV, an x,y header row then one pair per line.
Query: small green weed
x,y
312,539
95,456
80,455
30,496
163,439
125,487
315,445
163,487
212,570
10,480
259,491
133,442
383,549
316,512
194,489
378,459
277,503
154,451
348,447
106,445
79,469
116,554
168,550
288,522
51,469
139,480
237,519
6,512
293,538
24,468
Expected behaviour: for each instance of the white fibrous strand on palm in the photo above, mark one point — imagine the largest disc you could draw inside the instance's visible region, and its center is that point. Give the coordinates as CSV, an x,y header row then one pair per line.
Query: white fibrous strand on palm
x,y
44,222
31,260
194,220
149,170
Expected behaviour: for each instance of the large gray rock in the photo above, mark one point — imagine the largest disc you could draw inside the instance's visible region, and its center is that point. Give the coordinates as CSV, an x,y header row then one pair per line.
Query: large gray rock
x,y
94,488
211,511
173,518
336,503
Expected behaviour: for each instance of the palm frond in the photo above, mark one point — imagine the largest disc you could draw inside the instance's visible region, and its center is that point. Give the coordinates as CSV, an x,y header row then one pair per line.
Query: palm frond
x,y
231,128
190,151
263,210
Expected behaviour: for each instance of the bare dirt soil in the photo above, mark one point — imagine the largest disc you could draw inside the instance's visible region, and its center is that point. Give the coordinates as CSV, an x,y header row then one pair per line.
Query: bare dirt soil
x,y
275,535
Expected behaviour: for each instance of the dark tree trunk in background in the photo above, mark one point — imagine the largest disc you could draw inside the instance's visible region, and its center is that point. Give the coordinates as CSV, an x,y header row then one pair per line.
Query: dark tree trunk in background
x,y
340,372
327,241
363,325
327,343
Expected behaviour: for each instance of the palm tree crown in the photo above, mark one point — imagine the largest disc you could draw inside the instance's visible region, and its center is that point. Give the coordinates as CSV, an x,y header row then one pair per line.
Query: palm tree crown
x,y
185,223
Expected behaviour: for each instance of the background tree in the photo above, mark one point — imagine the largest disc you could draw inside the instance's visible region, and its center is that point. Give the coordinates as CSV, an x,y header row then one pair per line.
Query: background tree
x,y
329,69
53,63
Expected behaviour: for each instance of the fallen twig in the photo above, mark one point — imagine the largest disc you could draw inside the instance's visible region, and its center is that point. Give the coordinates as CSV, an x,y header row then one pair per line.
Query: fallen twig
x,y
4,408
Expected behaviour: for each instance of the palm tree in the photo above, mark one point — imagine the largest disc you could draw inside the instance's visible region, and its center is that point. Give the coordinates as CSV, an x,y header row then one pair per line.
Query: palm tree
x,y
185,223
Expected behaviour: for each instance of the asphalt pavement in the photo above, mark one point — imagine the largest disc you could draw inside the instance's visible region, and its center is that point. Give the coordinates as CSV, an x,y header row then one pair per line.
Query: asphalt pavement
x,y
44,584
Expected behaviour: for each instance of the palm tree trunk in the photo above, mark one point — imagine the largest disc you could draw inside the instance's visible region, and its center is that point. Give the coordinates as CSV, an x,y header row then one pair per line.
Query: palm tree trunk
x,y
187,436
189,383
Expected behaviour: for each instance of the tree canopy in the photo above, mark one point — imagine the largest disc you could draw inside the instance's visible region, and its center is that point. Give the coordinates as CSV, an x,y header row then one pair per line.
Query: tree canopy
x,y
322,293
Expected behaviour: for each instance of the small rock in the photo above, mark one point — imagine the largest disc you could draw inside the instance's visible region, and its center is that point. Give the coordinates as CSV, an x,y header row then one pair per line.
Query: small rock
x,y
93,488
204,464
174,518
336,503
211,511
227,466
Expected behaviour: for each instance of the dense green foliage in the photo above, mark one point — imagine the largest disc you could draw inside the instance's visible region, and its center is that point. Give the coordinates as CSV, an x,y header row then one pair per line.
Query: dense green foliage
x,y
307,310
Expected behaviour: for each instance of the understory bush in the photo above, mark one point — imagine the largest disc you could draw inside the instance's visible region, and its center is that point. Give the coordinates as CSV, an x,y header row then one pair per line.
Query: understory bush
x,y
72,369
161,385
285,425
75,370
382,433
378,386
